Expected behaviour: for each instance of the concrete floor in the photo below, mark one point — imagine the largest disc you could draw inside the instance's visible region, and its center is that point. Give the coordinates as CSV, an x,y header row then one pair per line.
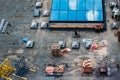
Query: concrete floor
x,y
20,15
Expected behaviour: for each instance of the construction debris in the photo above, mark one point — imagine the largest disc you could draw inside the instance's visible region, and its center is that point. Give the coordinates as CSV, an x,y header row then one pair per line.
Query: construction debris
x,y
56,51
97,45
65,51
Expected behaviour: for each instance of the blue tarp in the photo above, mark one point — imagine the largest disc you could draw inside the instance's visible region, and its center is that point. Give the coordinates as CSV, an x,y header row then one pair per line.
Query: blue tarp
x,y
25,40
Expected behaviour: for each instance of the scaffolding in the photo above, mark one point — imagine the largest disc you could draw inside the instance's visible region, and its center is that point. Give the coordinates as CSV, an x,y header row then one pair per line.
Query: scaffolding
x,y
22,69
6,69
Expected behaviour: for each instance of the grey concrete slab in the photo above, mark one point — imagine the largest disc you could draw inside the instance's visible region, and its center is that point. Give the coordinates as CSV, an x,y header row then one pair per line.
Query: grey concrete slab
x,y
20,15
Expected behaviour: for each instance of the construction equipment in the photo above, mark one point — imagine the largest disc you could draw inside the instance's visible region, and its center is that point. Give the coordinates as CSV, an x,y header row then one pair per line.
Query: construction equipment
x,y
6,69
22,69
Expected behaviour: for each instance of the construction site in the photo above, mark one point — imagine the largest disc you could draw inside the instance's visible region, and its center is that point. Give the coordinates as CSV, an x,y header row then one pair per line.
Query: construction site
x,y
59,40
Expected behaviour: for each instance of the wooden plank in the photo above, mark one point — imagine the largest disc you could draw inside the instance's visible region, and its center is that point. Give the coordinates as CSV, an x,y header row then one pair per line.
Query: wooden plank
x,y
75,26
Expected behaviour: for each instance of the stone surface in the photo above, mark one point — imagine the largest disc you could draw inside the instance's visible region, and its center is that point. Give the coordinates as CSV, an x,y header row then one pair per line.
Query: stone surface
x,y
20,15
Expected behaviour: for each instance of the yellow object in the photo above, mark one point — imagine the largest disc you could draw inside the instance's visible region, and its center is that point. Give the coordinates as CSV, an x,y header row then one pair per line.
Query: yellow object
x,y
23,78
6,69
32,70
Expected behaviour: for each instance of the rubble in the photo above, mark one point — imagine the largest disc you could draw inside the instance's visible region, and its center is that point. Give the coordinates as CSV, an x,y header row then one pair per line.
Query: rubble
x,y
97,45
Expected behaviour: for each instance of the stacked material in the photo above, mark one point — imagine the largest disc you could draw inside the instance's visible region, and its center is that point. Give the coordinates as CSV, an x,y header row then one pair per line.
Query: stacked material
x,y
54,70
87,66
55,49
87,63
49,70
59,68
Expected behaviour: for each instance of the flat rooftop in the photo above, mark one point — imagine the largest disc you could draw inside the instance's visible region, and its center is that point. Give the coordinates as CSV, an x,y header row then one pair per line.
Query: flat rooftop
x,y
77,11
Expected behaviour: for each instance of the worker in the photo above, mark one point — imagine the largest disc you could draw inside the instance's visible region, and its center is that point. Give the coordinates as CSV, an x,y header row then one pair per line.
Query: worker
x,y
97,28
118,67
76,34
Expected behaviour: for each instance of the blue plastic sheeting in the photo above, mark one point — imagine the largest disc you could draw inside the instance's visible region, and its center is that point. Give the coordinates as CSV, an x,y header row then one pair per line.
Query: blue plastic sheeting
x,y
76,10
25,40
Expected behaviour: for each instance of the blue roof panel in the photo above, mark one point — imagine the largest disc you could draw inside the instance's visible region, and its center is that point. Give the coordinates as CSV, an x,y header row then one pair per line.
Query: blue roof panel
x,y
76,10
55,4
63,16
54,16
81,16
81,5
71,15
65,6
